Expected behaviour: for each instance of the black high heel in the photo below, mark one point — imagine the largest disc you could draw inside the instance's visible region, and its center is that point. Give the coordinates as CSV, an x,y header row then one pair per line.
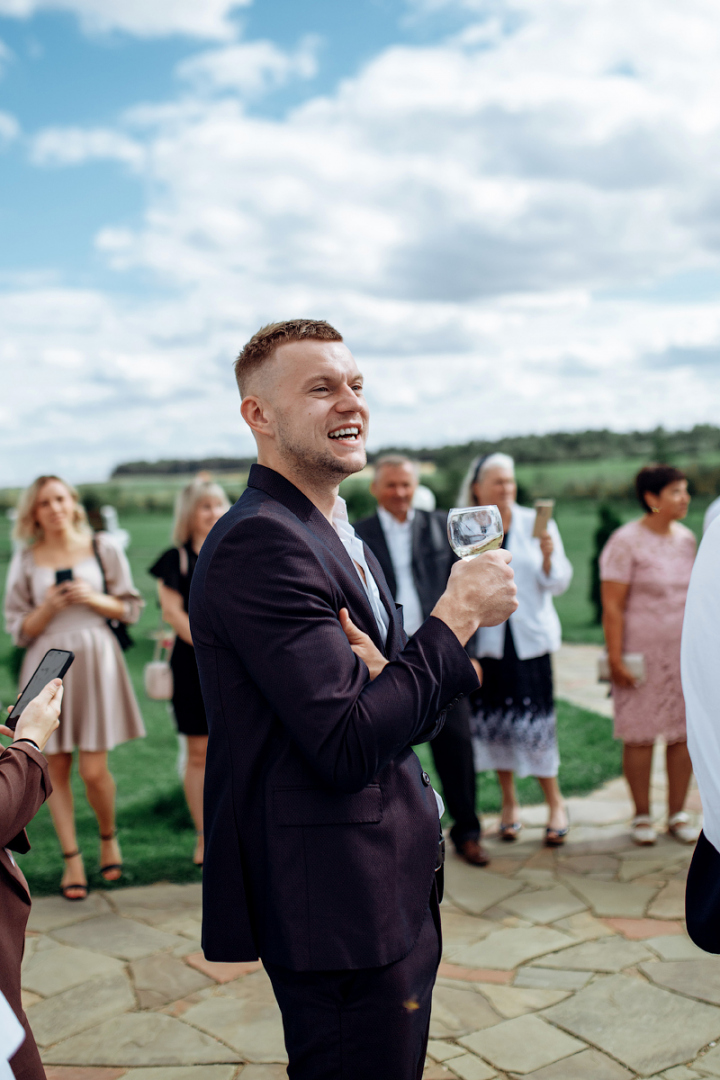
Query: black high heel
x,y
64,888
105,870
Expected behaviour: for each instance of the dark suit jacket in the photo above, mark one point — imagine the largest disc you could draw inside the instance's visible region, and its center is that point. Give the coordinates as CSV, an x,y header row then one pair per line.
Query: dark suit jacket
x,y
321,831
24,786
702,896
432,556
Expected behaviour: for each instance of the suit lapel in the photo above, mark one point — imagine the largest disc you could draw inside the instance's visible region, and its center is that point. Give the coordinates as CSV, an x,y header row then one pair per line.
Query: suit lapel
x,y
15,874
396,634
378,543
275,485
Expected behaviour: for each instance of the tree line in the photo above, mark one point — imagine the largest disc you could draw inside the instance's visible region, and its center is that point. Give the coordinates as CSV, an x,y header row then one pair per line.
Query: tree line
x,y
655,445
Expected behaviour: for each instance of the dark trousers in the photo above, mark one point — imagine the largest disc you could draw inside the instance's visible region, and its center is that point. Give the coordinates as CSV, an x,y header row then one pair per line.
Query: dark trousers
x,y
356,1025
452,751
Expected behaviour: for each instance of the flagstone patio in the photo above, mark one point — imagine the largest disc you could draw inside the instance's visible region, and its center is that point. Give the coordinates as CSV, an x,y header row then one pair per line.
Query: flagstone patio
x,y
558,965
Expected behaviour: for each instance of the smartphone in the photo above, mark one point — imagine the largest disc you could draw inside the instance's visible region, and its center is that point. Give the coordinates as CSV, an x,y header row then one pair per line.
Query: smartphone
x,y
63,575
543,512
53,665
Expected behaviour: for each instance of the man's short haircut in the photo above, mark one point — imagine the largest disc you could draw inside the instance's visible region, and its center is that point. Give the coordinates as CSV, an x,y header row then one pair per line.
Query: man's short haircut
x,y
396,461
263,344
652,479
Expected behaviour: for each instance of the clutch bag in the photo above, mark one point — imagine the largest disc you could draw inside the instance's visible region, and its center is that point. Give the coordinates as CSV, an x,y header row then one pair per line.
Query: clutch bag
x,y
634,662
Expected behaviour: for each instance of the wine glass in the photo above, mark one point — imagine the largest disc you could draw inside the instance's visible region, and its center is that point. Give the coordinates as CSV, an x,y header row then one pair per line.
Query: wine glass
x,y
474,529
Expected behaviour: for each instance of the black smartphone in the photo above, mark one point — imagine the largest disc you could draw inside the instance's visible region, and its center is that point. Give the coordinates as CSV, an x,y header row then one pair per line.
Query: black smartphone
x,y
53,665
63,575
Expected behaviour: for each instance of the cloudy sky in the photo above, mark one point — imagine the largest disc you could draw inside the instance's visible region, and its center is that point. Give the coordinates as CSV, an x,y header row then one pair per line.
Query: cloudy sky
x,y
511,209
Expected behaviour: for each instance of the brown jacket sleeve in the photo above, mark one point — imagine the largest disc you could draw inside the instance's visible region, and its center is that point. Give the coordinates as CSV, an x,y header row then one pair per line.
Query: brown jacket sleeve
x,y
24,787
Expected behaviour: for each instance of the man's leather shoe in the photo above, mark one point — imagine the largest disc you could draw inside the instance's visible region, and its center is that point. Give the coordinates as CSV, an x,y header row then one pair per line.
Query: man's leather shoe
x,y
473,852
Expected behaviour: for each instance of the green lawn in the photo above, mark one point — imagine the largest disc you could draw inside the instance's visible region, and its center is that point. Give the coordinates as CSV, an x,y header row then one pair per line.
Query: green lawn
x,y
154,826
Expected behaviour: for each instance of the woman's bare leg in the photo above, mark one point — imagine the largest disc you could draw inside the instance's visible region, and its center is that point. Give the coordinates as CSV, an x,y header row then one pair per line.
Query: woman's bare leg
x,y
100,789
510,806
637,766
62,811
679,771
194,784
558,818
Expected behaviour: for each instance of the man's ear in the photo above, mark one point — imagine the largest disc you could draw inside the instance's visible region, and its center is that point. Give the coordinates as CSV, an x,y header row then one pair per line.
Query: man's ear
x,y
256,414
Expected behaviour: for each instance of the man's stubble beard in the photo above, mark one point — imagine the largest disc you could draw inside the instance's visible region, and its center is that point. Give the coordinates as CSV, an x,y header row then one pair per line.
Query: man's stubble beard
x,y
315,467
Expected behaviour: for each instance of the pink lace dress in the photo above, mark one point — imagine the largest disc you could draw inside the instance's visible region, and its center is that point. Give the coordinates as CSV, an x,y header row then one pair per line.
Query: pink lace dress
x,y
657,569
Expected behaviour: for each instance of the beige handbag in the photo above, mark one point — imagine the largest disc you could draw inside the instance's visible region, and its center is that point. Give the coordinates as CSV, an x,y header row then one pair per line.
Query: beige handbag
x,y
158,676
634,662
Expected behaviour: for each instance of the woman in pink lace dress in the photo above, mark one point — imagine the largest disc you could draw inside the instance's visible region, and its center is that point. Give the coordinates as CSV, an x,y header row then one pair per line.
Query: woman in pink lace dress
x,y
645,570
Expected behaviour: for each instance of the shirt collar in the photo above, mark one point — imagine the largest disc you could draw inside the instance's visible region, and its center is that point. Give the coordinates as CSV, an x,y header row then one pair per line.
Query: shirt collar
x,y
389,519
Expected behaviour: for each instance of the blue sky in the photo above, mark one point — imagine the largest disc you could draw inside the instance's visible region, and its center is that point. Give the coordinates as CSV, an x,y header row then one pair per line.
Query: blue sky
x,y
509,209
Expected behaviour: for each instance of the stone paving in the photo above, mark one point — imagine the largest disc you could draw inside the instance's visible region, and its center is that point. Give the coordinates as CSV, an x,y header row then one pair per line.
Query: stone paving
x,y
557,965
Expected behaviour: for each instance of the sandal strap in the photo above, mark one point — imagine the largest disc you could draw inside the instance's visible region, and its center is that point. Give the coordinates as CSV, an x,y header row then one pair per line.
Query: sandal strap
x,y
71,854
109,836
681,818
641,819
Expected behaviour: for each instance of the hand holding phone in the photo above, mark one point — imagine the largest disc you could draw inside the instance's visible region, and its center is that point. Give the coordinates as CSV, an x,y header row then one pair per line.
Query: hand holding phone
x,y
40,717
53,665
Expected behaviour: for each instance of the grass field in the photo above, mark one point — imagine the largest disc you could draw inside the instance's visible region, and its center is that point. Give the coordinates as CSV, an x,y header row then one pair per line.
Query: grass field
x,y
154,827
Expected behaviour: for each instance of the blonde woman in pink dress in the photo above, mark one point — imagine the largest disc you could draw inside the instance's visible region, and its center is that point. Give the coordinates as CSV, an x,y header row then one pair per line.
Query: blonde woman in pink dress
x,y
99,708
645,571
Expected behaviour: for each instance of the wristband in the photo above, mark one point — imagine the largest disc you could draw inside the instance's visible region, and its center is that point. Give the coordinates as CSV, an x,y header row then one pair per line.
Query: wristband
x,y
31,741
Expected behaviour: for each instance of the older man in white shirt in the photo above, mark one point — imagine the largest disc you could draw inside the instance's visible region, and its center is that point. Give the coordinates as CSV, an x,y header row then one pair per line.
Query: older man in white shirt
x,y
412,548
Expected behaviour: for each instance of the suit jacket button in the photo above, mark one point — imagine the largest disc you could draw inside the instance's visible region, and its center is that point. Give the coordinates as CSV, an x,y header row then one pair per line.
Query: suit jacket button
x,y
426,779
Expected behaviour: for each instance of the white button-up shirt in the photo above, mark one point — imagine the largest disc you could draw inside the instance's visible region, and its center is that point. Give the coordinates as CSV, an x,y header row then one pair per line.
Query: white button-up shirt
x,y
398,536
356,550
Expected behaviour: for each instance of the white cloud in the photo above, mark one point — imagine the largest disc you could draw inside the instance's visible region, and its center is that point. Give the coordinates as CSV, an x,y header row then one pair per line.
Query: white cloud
x,y
250,68
483,220
75,146
143,18
9,128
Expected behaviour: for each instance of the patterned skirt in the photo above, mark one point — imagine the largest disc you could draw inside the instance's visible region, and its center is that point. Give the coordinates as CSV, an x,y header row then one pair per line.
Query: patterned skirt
x,y
513,722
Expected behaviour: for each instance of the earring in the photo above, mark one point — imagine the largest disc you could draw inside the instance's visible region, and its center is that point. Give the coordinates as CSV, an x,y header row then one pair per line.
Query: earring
x,y
655,509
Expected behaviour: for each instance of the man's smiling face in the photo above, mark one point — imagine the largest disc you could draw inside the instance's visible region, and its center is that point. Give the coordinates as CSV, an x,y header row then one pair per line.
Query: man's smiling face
x,y
320,414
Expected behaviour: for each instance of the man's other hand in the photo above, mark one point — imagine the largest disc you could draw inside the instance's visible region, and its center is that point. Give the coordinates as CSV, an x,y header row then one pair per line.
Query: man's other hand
x,y
362,645
40,716
480,592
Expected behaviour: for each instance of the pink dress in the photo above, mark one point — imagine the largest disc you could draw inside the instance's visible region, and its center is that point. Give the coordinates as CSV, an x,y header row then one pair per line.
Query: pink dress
x,y
99,708
657,569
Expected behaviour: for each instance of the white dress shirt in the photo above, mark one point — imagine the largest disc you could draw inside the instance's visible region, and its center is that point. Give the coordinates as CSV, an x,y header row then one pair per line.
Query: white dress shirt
x,y
711,513
535,625
701,677
11,1038
356,550
398,536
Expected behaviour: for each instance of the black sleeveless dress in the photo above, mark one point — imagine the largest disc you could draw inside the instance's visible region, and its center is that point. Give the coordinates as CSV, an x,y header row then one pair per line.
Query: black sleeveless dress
x,y
187,699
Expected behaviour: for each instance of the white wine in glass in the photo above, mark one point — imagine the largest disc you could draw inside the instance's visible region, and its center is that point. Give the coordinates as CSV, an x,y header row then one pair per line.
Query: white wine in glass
x,y
474,529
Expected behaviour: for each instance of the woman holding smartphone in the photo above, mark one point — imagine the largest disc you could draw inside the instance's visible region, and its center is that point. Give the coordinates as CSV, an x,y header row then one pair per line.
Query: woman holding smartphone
x,y
198,507
61,591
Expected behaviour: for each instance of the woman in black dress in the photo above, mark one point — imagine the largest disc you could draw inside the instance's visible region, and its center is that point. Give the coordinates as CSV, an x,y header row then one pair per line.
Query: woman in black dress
x,y
198,507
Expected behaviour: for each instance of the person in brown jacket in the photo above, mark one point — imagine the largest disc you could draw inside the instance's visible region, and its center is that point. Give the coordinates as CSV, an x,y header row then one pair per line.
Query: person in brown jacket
x,y
24,786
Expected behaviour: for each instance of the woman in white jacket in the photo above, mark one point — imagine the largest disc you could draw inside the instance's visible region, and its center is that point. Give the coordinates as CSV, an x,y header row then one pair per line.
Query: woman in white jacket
x,y
514,730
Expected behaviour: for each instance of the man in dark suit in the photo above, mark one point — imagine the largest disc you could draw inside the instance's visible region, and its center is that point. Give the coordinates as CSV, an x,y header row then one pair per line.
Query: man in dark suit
x,y
321,828
413,550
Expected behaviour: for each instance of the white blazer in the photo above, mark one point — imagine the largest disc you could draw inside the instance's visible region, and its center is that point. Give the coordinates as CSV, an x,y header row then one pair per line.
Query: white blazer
x,y
535,625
